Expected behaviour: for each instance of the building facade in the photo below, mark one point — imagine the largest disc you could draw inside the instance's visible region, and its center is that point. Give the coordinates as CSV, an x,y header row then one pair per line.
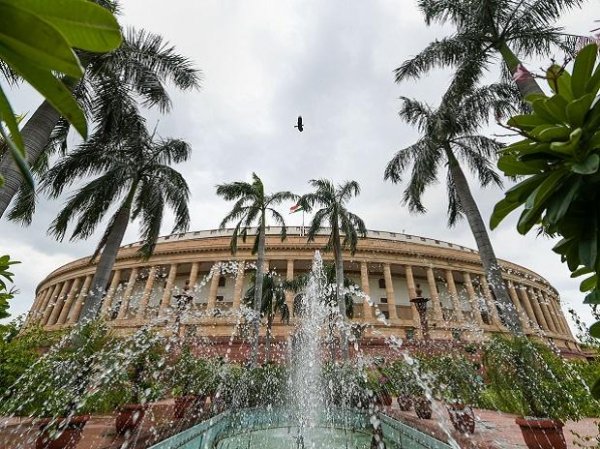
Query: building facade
x,y
388,267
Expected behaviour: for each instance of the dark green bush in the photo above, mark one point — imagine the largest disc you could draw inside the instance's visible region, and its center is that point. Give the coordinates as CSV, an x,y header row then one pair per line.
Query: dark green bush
x,y
529,379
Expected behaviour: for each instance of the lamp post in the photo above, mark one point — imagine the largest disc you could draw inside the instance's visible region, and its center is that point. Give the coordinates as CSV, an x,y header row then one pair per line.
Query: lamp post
x,y
421,305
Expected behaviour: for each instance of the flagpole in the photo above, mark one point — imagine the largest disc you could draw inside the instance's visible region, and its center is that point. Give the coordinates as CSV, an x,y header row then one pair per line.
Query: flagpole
x,y
302,223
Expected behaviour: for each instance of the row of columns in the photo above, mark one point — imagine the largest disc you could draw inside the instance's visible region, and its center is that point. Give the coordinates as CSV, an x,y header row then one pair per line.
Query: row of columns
x,y
61,303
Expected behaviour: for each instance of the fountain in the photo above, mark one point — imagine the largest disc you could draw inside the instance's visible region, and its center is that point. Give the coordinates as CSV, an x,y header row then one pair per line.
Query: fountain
x,y
315,415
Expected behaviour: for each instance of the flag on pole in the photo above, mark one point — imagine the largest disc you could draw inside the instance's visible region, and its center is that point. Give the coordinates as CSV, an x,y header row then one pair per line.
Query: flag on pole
x,y
296,208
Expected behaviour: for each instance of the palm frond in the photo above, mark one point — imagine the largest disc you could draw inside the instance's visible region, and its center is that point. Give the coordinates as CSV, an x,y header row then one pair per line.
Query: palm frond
x,y
423,174
84,203
415,112
145,62
316,224
347,190
23,206
443,11
235,190
447,52
479,152
401,160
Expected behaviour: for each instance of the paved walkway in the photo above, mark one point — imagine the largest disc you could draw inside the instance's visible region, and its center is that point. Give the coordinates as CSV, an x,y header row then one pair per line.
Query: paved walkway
x,y
496,430
493,430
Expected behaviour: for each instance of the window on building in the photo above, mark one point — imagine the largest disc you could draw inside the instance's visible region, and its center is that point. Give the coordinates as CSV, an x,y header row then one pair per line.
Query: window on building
x,y
222,281
383,300
220,298
381,283
410,334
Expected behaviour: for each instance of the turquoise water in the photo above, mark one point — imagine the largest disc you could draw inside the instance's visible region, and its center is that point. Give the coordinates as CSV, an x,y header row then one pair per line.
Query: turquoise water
x,y
272,429
315,438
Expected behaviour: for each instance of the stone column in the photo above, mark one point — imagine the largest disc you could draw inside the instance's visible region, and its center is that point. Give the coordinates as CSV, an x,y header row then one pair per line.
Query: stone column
x,y
412,293
289,295
366,288
141,311
458,315
435,297
564,321
389,292
74,315
472,298
538,310
165,301
239,285
62,318
515,300
38,306
214,286
546,312
193,277
52,299
489,300
525,299
107,301
553,313
127,294
58,304
559,315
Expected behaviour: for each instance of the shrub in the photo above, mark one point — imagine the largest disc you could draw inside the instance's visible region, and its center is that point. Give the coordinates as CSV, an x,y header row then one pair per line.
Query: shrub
x,y
454,378
529,379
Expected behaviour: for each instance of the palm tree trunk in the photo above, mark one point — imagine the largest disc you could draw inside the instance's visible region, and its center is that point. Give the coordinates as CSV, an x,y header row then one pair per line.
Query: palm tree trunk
x,y
527,84
36,134
339,287
93,302
258,287
269,334
484,245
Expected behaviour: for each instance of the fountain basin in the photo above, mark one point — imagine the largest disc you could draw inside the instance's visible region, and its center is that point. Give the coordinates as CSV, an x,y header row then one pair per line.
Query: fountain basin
x,y
274,428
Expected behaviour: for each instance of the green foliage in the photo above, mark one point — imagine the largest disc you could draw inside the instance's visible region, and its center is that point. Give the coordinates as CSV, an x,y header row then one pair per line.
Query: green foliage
x,y
331,201
454,378
140,361
345,385
560,160
403,378
529,379
193,376
38,43
130,167
251,387
16,356
5,292
60,382
251,204
273,297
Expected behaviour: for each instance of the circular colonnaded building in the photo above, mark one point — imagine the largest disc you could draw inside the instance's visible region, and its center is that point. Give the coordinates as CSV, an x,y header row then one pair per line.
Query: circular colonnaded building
x,y
389,268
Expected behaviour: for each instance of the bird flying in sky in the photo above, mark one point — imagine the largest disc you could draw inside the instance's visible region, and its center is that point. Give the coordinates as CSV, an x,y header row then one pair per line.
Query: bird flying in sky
x,y
300,126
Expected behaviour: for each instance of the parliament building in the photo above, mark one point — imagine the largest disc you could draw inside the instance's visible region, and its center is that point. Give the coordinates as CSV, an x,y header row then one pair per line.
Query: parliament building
x,y
390,268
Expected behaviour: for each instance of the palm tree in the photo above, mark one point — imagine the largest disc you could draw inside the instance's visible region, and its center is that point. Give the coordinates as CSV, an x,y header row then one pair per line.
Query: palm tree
x,y
513,29
332,202
272,302
139,69
449,139
252,204
134,172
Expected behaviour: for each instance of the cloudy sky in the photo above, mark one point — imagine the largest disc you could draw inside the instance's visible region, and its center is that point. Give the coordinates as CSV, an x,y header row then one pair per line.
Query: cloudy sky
x,y
266,62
